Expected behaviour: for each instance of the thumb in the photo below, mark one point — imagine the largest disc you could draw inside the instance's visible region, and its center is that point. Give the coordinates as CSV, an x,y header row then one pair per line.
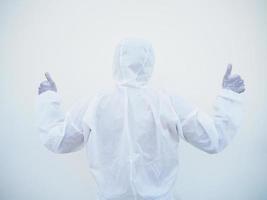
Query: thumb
x,y
228,71
49,79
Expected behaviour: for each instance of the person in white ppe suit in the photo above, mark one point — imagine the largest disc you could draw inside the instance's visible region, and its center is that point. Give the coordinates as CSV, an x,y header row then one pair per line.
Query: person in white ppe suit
x,y
132,134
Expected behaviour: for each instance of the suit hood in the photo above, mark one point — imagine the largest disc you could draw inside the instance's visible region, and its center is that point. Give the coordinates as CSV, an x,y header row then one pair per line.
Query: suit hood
x,y
133,62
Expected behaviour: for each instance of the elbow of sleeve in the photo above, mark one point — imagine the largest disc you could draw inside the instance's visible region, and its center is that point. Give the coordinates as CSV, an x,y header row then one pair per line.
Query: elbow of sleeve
x,y
54,148
214,150
223,141
63,151
209,148
66,146
53,145
213,147
58,143
58,150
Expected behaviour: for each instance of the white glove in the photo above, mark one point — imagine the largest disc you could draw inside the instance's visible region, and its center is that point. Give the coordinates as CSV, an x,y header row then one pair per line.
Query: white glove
x,y
49,84
233,82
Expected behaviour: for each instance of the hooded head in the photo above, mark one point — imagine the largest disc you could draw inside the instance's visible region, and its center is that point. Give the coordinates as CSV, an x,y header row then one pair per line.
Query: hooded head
x,y
133,62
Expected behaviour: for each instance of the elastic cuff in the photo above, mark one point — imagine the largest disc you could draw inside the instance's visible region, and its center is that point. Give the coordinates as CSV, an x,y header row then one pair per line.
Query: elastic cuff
x,y
229,94
49,96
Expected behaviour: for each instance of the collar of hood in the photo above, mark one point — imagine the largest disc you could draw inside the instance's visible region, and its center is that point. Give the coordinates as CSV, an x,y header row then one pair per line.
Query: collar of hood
x,y
133,62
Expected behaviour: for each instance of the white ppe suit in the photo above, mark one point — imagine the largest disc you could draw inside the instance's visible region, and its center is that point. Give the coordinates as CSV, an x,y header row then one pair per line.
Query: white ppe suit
x,y
131,134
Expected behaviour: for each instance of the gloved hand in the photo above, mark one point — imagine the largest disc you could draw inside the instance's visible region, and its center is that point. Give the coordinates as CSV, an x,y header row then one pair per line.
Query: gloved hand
x,y
49,84
233,82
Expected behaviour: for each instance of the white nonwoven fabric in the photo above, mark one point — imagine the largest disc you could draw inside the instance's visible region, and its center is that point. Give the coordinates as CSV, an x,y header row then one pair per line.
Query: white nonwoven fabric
x,y
132,133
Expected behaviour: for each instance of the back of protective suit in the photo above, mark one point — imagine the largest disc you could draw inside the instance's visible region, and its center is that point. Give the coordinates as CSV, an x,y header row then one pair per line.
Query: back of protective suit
x,y
132,147
132,134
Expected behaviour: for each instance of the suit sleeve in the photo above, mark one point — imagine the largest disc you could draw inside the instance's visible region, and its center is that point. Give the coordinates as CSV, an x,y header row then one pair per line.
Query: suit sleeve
x,y
61,132
210,133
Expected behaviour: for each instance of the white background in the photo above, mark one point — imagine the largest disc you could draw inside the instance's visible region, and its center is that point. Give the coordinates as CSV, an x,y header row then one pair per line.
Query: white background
x,y
75,41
